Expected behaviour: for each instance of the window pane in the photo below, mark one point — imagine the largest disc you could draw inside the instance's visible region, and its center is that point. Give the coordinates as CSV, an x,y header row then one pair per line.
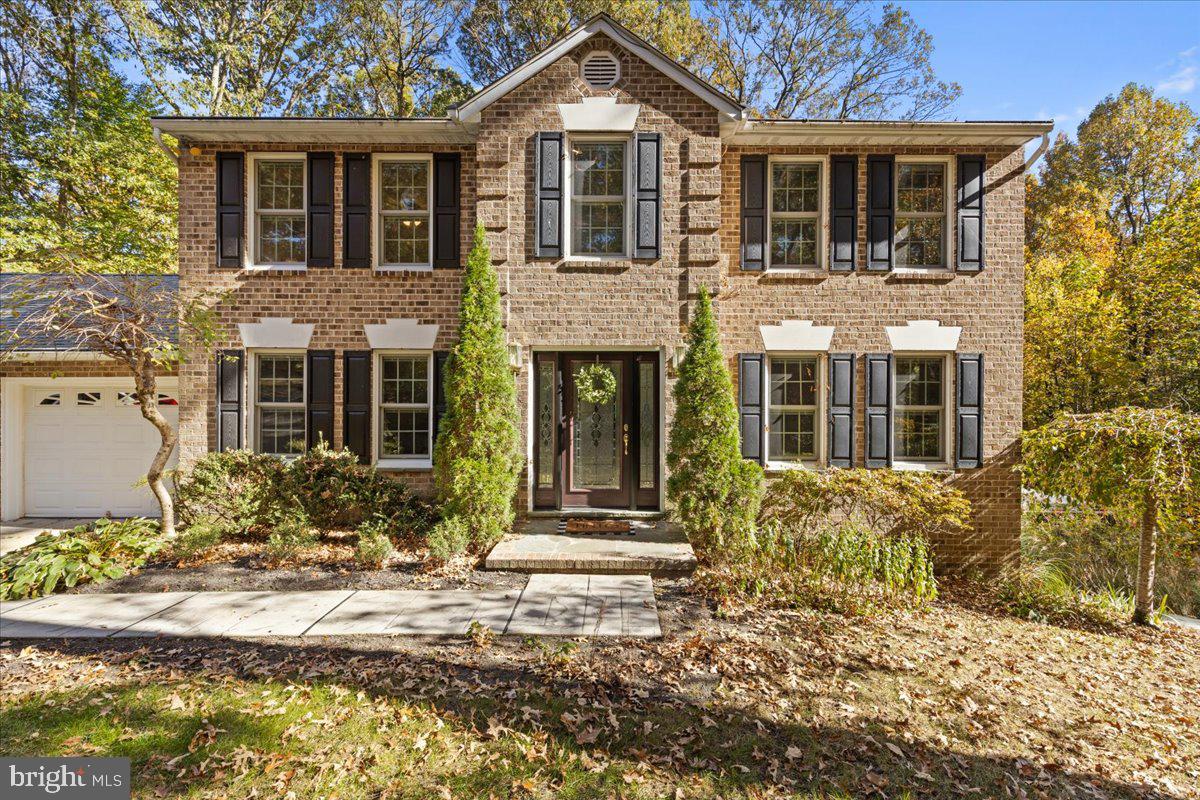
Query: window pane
x,y
599,169
919,435
795,187
280,185
405,240
793,435
281,379
794,243
647,426
598,228
404,185
793,381
918,382
919,242
404,379
404,432
921,188
281,239
545,423
281,431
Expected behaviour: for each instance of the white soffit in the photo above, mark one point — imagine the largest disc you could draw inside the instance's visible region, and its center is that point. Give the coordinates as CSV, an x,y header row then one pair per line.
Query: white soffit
x,y
599,114
924,335
275,332
401,334
798,335
308,130
853,132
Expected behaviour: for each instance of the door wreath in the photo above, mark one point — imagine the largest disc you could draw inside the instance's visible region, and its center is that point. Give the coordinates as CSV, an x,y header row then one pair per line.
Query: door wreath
x,y
595,383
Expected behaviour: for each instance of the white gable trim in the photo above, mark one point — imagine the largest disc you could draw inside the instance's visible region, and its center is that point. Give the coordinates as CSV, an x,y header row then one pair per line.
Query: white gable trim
x,y
599,114
469,111
275,332
796,335
401,334
924,335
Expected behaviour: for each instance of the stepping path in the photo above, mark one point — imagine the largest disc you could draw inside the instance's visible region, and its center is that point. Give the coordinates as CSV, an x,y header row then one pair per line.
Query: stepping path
x,y
549,605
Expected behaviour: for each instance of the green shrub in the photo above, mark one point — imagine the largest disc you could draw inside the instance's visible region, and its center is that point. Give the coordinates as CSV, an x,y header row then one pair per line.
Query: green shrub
x,y
238,491
292,532
478,458
448,538
714,491
201,535
374,546
1044,592
103,550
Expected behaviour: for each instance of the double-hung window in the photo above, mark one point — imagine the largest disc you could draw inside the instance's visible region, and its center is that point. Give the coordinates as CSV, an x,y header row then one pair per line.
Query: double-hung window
x,y
403,203
599,214
920,409
405,395
795,214
793,409
921,230
279,210
279,417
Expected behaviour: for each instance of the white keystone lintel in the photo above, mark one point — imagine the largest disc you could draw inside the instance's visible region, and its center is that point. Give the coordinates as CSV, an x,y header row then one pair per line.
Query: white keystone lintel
x,y
798,335
278,332
599,114
401,334
924,335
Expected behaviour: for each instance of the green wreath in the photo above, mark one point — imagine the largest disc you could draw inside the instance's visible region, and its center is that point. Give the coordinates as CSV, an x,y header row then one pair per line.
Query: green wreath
x,y
595,383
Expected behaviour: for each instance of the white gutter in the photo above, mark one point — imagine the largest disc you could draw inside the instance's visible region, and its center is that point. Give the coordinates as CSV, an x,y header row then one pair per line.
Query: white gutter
x,y
171,154
1041,150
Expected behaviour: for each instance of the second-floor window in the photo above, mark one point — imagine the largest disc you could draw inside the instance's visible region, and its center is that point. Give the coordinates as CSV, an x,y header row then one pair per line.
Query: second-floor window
x,y
404,201
279,210
598,206
795,214
921,215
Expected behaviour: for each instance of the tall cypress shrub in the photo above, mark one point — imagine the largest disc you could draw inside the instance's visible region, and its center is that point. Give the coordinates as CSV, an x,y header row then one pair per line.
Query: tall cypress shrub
x,y
715,492
477,456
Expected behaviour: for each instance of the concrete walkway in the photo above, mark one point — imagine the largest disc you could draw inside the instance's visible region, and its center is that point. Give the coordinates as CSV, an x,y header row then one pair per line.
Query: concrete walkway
x,y
1184,622
20,532
549,605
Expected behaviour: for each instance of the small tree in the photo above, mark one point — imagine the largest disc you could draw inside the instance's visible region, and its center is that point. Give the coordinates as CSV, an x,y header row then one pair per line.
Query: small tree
x,y
716,493
1145,462
477,459
133,320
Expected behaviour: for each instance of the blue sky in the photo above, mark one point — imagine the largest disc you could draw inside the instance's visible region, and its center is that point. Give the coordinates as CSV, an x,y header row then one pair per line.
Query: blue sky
x,y
1056,60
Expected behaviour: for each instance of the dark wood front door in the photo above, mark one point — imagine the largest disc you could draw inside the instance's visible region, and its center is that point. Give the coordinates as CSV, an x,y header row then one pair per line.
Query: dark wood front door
x,y
596,453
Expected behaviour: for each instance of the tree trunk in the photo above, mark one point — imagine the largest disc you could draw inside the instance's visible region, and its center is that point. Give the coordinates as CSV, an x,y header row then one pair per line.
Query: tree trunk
x,y
147,389
1144,602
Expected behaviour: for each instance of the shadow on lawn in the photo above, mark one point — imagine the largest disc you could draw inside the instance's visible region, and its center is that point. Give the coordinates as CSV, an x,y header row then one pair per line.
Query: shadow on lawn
x,y
684,738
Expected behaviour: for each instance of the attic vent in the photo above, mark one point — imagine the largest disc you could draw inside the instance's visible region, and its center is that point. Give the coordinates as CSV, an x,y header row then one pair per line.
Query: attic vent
x,y
601,70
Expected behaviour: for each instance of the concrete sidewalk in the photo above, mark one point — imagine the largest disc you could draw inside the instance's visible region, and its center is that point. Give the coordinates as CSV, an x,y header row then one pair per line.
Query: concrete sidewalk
x,y
549,605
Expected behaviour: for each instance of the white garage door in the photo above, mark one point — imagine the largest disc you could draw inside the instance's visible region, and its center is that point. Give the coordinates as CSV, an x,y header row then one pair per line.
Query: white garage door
x,y
87,448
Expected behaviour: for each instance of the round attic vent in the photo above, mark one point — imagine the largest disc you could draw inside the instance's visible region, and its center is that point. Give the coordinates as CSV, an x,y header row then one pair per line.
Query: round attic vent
x,y
600,69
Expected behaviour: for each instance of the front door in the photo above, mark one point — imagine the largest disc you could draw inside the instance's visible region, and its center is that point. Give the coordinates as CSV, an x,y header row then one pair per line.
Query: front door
x,y
597,448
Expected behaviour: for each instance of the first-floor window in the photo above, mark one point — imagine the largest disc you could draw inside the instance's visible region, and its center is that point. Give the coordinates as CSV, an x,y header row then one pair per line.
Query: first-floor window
x,y
279,404
920,409
793,409
404,406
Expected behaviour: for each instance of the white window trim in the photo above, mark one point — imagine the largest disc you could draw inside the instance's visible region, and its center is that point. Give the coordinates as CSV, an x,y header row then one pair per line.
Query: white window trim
x,y
947,413
397,462
948,243
252,393
822,211
569,197
818,428
377,160
250,255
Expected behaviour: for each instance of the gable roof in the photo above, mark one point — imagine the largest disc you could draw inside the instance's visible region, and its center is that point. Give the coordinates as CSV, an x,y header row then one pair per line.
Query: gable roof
x,y
469,110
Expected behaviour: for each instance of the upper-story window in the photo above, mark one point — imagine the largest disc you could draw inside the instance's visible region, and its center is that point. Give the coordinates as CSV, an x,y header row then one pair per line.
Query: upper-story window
x,y
921,208
279,210
920,409
795,214
599,215
793,408
403,203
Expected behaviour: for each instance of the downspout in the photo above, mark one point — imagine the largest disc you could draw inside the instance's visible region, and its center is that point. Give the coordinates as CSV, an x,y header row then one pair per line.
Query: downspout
x,y
171,154
1041,151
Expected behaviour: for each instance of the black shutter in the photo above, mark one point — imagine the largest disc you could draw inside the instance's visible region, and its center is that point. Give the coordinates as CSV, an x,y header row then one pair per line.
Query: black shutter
x,y
841,409
879,410
229,399
356,403
881,212
548,205
440,357
320,209
971,171
648,196
447,228
356,210
754,213
969,438
843,212
751,404
319,405
231,172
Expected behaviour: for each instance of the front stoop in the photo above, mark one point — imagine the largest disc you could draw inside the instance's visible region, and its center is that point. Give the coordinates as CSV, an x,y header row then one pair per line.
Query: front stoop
x,y
657,547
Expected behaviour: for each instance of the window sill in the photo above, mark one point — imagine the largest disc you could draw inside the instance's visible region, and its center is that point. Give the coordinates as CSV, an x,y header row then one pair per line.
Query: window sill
x,y
404,464
787,466
922,466
276,268
404,267
922,272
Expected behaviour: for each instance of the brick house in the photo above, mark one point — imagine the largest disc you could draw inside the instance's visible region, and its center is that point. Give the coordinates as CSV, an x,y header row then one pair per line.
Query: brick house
x,y
868,279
